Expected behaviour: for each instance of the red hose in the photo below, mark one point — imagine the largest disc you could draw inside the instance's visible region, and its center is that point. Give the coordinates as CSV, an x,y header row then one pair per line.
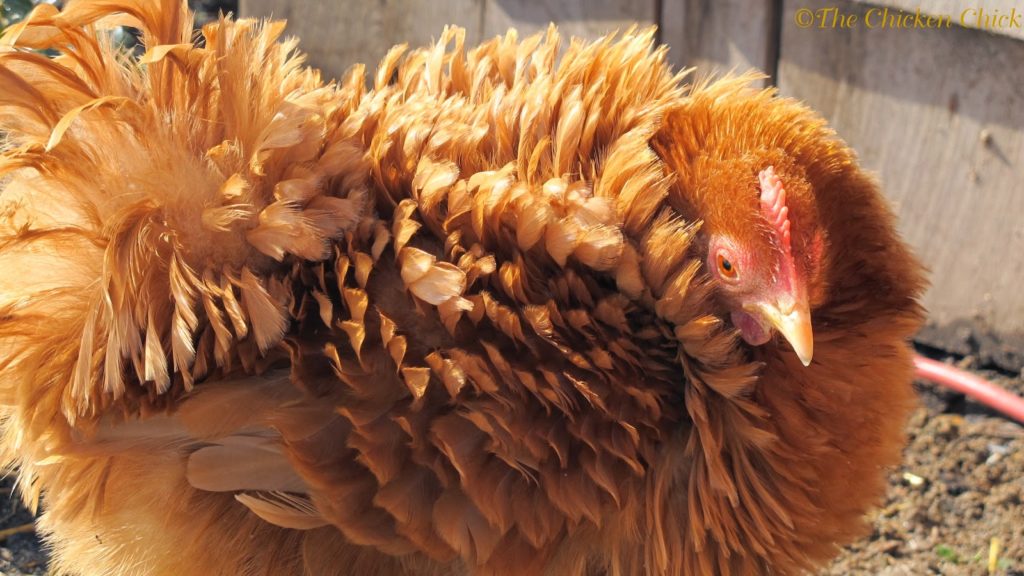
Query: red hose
x,y
978,388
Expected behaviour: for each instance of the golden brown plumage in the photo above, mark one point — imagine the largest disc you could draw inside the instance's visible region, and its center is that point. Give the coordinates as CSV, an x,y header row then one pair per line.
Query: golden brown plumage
x,y
457,323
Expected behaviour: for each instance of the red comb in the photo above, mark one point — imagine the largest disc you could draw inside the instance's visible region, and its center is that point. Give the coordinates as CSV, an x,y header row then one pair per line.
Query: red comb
x,y
773,206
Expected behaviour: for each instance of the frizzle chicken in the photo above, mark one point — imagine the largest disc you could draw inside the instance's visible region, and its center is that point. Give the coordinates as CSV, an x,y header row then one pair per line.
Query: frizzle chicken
x,y
503,313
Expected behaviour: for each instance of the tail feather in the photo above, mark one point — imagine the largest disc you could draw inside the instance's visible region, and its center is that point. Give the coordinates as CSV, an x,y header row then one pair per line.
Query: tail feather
x,y
164,176
244,462
284,510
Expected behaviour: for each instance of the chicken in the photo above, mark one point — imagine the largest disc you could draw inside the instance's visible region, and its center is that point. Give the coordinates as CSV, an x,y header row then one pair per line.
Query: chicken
x,y
793,230
503,313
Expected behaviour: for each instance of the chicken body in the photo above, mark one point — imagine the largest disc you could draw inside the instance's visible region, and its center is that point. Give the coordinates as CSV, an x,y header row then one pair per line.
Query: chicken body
x,y
461,323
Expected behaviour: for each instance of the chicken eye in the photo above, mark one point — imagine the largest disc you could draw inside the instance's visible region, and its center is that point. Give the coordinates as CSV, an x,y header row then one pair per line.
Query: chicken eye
x,y
726,268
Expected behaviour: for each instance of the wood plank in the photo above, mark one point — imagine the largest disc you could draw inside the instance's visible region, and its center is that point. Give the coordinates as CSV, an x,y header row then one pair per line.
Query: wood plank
x,y
939,114
719,36
337,35
589,19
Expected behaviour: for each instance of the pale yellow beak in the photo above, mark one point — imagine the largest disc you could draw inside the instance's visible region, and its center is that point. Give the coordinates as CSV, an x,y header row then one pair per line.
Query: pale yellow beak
x,y
795,326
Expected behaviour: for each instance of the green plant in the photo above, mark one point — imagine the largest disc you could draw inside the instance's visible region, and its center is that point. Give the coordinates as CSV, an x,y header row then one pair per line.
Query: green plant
x,y
947,554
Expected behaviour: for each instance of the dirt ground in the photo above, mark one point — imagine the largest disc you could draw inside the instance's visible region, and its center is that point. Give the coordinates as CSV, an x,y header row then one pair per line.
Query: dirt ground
x,y
20,553
955,506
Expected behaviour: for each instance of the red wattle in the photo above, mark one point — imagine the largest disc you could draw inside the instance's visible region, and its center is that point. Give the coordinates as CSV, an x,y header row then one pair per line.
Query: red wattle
x,y
751,330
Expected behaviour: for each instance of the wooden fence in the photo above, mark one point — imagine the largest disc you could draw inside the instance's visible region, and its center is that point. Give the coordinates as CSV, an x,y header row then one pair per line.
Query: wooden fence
x,y
937,112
